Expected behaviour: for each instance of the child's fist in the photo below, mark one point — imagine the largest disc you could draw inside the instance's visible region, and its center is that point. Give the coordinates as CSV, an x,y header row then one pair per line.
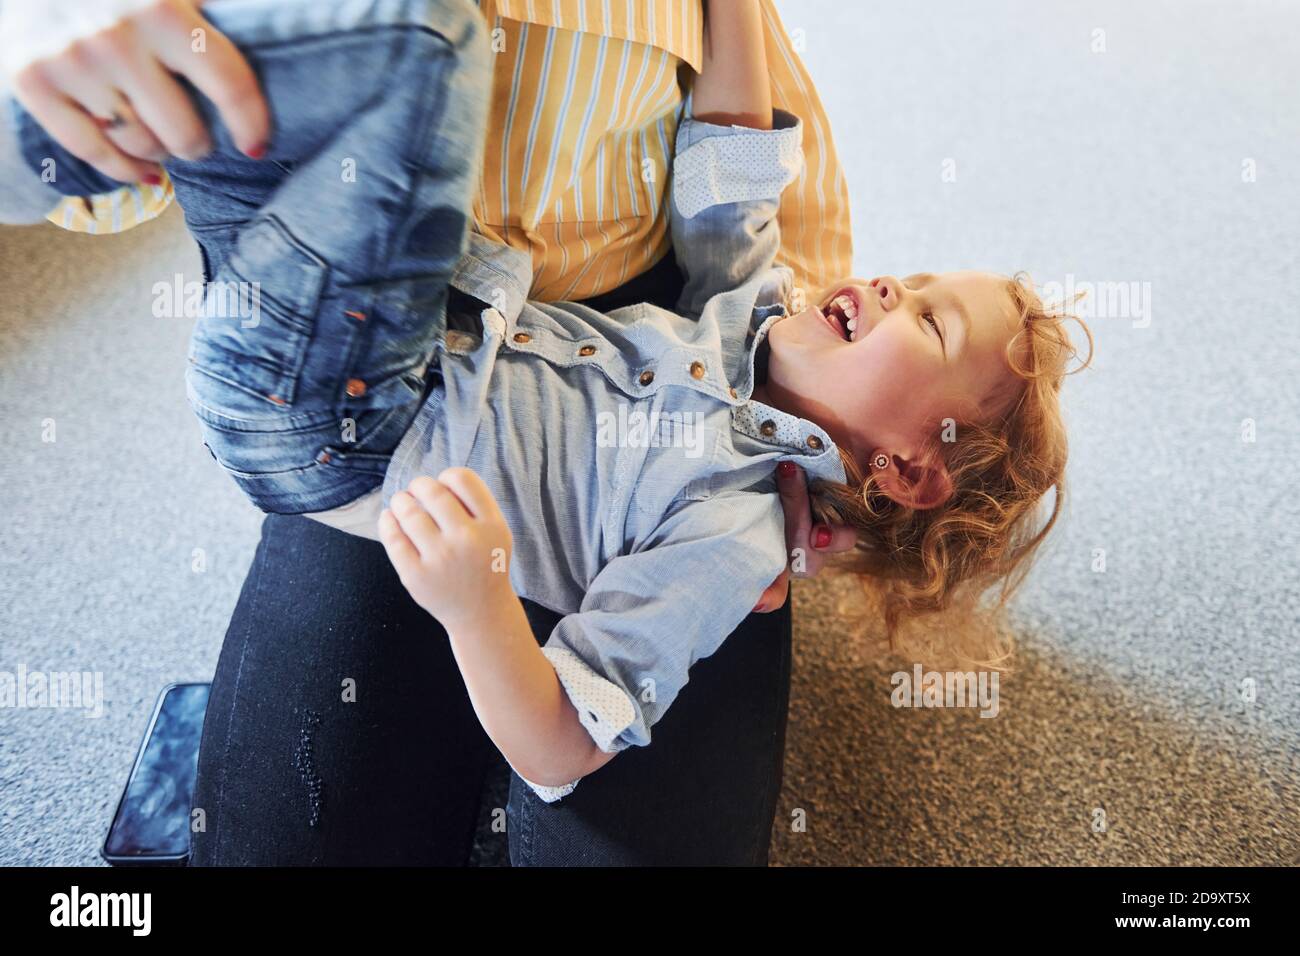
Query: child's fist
x,y
450,545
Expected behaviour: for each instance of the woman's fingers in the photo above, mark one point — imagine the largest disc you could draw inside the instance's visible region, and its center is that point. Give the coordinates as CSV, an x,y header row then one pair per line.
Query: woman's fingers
x,y
220,72
110,110
775,594
76,131
842,538
793,489
131,136
806,543
126,70
163,107
823,540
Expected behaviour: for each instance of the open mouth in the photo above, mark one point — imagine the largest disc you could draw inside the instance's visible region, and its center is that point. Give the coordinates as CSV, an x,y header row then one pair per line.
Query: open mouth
x,y
842,313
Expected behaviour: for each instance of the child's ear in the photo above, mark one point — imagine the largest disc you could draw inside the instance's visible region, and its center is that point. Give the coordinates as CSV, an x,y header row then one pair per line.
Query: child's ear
x,y
920,484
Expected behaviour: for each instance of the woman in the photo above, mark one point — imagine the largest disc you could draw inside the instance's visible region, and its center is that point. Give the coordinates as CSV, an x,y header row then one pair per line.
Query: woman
x,y
338,729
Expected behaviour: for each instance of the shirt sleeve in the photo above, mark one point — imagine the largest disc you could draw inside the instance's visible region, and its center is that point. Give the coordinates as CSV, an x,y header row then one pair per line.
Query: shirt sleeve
x,y
726,186
649,615
115,211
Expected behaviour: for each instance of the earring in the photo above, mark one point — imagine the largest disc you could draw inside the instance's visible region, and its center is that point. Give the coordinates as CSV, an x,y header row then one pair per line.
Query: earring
x,y
880,462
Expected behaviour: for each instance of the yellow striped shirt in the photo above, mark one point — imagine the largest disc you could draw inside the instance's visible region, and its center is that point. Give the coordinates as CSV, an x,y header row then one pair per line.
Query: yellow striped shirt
x,y
582,121
117,211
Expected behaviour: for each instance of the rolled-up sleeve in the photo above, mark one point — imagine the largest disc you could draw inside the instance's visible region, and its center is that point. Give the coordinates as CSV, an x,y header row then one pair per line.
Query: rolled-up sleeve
x,y
625,654
726,189
603,707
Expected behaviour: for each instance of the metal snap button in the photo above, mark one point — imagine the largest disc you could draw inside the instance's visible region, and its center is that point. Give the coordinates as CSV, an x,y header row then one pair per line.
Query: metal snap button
x,y
587,350
522,337
814,441
768,428
646,377
731,392
697,370
355,388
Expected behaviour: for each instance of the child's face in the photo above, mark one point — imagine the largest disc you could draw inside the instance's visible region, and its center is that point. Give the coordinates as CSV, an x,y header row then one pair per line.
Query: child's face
x,y
876,362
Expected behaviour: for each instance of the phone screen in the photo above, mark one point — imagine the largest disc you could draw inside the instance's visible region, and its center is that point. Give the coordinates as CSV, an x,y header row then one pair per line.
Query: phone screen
x,y
152,823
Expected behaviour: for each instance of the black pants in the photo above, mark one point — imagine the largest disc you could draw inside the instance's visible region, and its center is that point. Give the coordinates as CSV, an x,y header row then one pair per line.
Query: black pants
x,y
339,731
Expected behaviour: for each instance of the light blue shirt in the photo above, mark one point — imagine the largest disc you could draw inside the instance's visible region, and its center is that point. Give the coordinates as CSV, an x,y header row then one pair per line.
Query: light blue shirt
x,y
635,473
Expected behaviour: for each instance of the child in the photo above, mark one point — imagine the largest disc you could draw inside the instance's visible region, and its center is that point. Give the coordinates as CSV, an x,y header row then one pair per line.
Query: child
x,y
615,468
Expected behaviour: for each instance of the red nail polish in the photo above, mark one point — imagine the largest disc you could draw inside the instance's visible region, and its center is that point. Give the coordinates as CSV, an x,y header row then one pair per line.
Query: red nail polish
x,y
150,179
786,468
257,152
821,537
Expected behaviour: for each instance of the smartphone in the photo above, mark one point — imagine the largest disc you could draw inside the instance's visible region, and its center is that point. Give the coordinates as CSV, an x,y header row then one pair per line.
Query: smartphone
x,y
152,824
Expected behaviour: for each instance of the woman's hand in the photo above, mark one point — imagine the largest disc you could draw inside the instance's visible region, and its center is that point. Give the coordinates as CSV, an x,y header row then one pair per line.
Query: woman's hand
x,y
98,75
811,542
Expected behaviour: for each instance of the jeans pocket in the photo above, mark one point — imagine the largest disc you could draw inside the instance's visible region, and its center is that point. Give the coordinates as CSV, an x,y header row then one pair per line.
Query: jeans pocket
x,y
289,277
260,312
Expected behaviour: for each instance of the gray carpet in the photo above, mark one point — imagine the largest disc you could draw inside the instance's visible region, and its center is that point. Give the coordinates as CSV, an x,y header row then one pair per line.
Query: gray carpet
x,y
1128,704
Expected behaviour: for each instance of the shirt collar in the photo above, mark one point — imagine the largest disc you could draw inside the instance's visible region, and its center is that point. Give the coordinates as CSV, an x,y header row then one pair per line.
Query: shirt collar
x,y
790,430
496,274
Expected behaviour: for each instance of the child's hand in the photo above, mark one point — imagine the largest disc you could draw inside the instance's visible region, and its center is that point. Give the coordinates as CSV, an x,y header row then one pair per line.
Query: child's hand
x,y
450,545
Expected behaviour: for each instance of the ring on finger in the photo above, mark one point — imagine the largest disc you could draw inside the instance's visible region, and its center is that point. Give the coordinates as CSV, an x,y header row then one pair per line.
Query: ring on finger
x,y
116,121
119,114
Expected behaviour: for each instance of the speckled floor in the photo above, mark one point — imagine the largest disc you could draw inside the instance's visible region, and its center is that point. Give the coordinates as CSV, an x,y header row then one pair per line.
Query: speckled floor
x,y
1131,703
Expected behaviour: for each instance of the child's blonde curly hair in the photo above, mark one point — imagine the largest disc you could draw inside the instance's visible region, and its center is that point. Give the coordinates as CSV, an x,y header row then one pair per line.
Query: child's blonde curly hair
x,y
914,563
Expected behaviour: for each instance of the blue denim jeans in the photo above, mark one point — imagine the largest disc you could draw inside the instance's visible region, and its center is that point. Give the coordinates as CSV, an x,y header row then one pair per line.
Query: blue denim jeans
x,y
327,263
291,774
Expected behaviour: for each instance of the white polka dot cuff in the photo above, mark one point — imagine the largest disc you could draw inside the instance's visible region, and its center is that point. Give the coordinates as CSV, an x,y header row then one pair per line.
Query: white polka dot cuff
x,y
724,164
549,794
604,709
